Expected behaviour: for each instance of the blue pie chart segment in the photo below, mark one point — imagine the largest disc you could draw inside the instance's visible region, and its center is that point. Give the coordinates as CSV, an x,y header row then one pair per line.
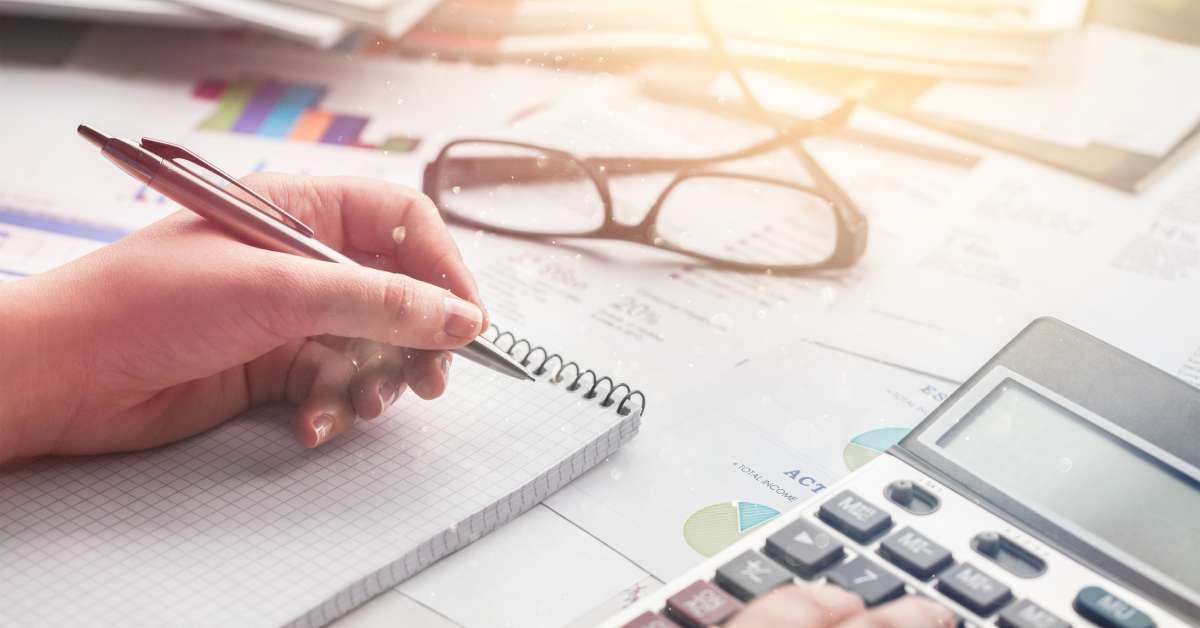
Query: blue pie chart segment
x,y
867,446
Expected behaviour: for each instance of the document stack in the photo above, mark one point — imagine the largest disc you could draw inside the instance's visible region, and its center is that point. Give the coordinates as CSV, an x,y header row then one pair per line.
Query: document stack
x,y
319,23
987,40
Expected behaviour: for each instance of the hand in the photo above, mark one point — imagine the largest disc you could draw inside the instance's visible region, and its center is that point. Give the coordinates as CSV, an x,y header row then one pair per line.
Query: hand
x,y
823,606
178,327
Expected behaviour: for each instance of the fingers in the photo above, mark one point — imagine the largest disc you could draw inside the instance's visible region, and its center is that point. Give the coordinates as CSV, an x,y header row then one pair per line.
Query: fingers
x,y
380,379
335,383
801,606
296,297
908,612
379,218
384,218
823,606
429,373
321,377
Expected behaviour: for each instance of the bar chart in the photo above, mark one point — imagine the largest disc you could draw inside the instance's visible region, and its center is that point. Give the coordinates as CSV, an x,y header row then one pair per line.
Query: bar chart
x,y
287,111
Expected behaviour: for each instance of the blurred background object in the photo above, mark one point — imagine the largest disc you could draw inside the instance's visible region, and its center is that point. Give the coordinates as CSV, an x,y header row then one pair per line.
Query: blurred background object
x,y
1093,88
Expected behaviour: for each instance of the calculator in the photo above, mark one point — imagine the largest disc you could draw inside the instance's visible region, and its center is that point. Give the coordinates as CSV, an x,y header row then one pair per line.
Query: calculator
x,y
1059,486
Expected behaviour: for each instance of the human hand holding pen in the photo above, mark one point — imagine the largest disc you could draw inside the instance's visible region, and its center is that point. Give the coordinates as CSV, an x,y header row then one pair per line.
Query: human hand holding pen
x,y
178,327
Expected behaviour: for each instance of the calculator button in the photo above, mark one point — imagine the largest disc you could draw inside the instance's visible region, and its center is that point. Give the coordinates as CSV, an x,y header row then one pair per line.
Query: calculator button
x,y
702,604
915,553
650,620
1109,611
870,581
1026,614
973,589
854,516
751,574
804,548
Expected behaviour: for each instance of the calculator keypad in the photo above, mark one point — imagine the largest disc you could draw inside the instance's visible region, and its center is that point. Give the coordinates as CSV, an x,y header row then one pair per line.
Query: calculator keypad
x,y
1110,611
702,604
1026,614
885,553
981,593
804,548
866,579
751,574
915,553
855,517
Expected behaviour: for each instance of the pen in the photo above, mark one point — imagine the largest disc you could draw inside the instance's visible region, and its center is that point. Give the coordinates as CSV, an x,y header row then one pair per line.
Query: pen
x,y
154,163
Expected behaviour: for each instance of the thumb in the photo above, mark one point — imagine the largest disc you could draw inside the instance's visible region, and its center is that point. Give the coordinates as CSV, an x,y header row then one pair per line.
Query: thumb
x,y
307,298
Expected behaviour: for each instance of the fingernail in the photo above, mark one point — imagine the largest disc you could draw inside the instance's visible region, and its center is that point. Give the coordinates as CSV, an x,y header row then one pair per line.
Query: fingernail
x,y
446,364
399,234
323,427
388,391
462,318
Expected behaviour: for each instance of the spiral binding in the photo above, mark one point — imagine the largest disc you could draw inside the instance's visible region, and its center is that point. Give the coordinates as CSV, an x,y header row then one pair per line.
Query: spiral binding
x,y
579,378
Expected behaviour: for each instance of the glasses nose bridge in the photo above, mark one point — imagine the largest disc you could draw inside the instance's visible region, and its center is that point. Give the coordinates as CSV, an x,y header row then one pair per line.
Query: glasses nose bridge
x,y
642,232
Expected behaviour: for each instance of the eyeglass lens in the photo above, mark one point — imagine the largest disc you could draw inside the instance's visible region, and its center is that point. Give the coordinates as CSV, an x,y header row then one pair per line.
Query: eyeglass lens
x,y
728,218
520,189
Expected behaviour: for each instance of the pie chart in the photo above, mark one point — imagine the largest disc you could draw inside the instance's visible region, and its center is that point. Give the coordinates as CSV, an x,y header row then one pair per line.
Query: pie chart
x,y
867,446
713,528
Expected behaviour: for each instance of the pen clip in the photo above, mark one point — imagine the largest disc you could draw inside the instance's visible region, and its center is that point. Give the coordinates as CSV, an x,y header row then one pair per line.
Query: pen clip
x,y
170,151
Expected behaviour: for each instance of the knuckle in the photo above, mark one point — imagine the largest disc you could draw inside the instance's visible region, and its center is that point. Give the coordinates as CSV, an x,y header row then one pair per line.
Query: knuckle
x,y
397,295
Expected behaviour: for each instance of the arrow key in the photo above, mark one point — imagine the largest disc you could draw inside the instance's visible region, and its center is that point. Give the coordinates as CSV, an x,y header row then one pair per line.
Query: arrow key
x,y
804,548
866,579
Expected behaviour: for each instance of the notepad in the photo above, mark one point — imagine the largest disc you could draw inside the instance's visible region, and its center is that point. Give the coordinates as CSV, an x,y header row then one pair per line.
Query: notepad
x,y
241,526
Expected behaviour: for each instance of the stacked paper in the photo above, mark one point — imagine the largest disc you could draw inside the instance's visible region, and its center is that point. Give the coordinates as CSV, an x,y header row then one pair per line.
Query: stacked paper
x,y
996,40
319,23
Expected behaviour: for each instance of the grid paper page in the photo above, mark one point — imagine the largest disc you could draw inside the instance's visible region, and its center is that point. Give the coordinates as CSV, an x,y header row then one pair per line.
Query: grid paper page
x,y
241,526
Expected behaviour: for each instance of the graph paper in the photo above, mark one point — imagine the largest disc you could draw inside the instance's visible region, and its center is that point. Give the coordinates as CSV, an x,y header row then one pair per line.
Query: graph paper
x,y
242,527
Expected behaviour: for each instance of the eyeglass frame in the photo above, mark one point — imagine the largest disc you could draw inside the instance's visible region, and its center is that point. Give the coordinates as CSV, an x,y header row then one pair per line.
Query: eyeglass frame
x,y
852,227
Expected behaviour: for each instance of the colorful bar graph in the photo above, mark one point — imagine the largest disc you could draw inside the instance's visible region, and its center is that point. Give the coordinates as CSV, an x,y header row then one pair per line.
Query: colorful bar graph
x,y
291,111
296,99
230,105
344,130
260,105
311,126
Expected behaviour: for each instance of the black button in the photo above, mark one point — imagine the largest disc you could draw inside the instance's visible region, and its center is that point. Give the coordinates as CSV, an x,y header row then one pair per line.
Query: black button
x,y
854,516
915,553
973,589
1026,614
804,548
870,581
1109,611
751,574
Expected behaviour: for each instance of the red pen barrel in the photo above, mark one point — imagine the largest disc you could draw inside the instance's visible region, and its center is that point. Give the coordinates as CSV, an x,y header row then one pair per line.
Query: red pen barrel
x,y
236,215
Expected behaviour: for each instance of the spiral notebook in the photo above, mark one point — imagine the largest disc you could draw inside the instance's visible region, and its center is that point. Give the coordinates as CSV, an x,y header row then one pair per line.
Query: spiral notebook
x,y
240,526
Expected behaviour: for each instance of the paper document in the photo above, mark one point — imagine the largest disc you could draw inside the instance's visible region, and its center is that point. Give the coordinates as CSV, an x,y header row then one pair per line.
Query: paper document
x,y
1020,242
742,446
1101,85
314,29
393,17
33,243
144,11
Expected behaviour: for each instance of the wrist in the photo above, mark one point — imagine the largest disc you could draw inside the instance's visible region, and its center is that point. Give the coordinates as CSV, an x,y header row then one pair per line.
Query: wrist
x,y
34,387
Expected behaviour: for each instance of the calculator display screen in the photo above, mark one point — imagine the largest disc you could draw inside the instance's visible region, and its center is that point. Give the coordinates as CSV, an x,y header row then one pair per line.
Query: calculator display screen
x,y
1060,463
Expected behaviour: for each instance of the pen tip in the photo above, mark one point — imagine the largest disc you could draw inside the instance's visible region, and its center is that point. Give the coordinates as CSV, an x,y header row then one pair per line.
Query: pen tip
x,y
92,135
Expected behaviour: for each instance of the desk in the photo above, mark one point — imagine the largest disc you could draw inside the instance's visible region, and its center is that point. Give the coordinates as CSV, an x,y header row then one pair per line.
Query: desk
x,y
823,373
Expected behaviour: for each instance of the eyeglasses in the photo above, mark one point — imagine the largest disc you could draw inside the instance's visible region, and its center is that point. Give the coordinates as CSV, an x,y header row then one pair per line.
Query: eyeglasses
x,y
734,221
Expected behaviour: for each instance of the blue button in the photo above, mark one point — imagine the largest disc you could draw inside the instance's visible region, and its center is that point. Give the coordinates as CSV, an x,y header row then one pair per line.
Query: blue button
x,y
1109,611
